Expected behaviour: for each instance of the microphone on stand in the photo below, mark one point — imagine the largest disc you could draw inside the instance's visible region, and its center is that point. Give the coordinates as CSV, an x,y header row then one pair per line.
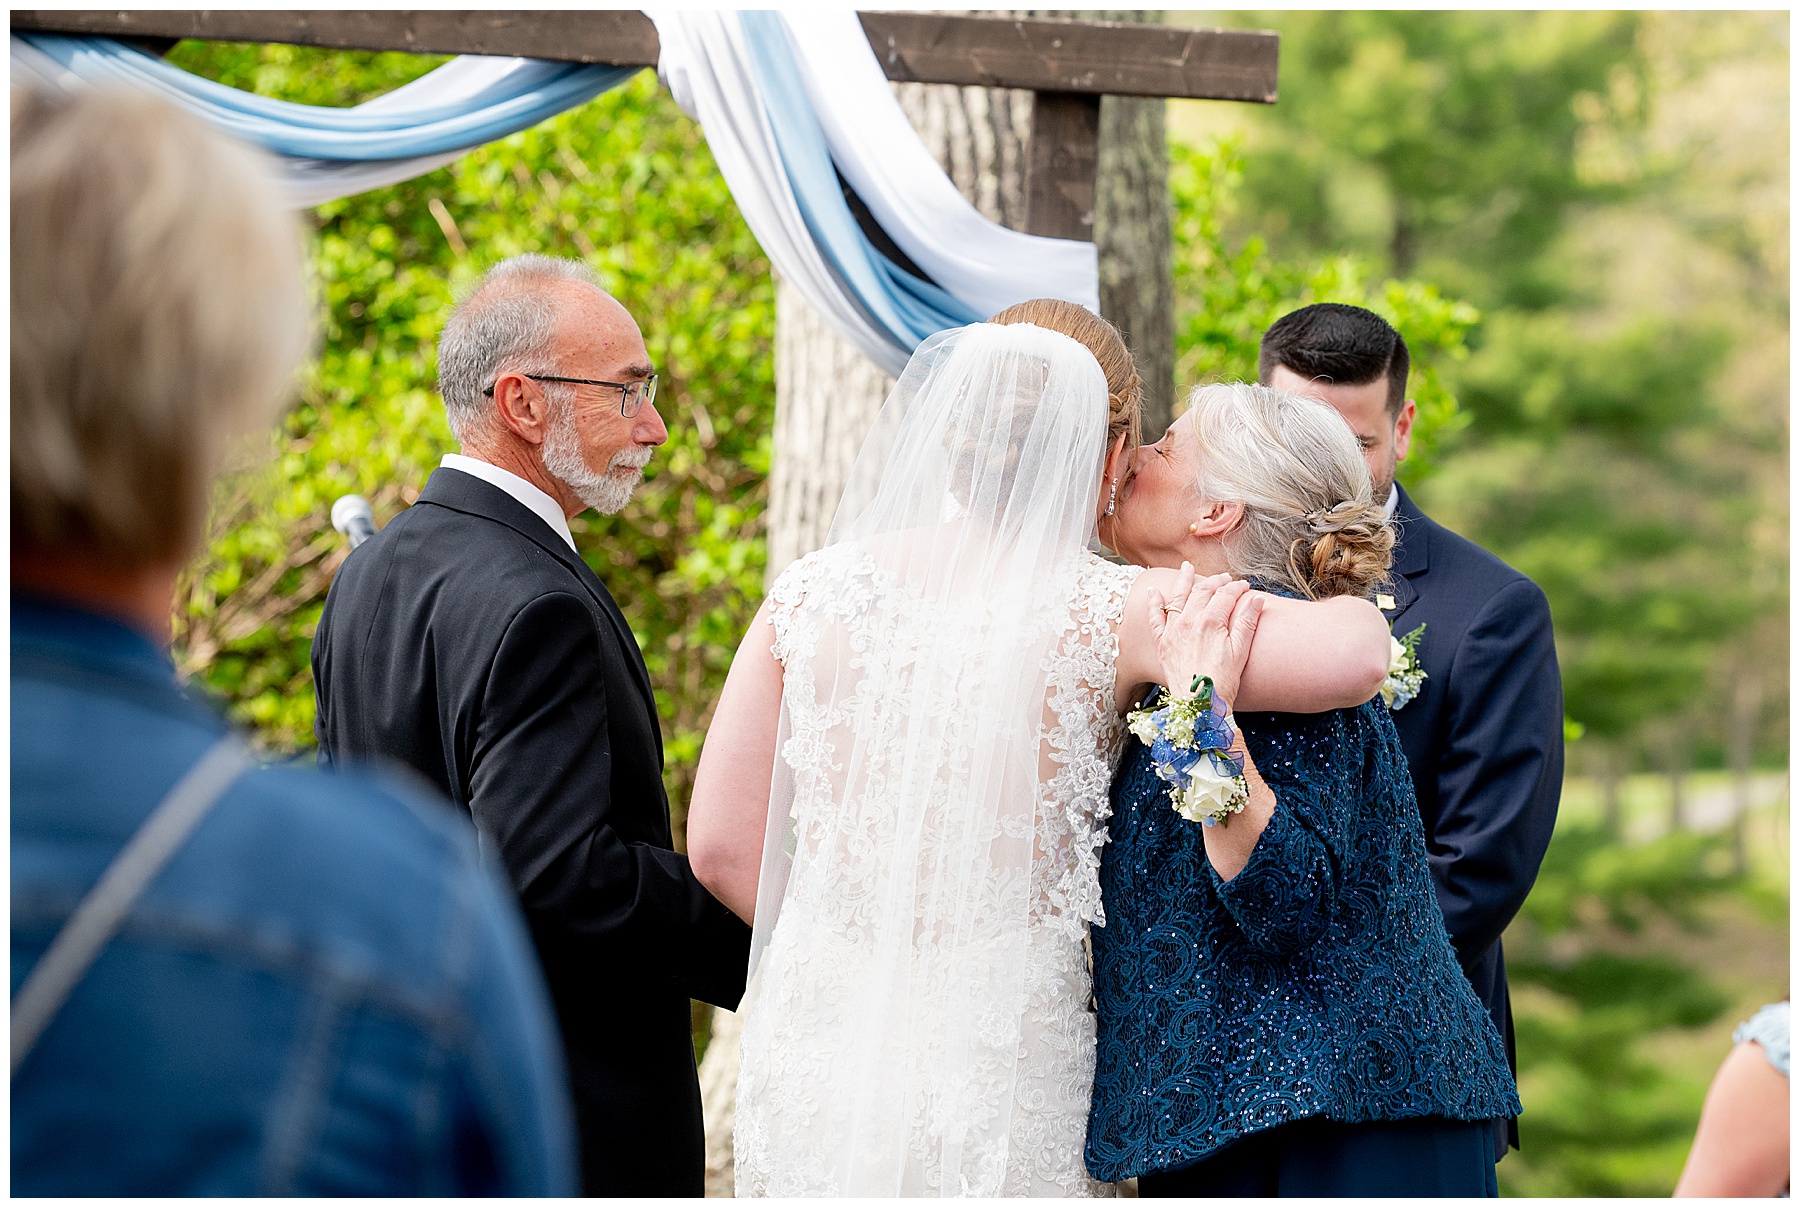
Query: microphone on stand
x,y
351,516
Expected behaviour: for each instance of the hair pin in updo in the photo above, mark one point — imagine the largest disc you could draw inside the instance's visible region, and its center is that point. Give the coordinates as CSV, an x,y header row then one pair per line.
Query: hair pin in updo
x,y
1326,520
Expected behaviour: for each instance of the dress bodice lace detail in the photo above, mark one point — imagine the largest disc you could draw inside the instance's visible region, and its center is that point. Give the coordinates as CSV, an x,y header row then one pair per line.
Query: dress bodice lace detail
x,y
982,1058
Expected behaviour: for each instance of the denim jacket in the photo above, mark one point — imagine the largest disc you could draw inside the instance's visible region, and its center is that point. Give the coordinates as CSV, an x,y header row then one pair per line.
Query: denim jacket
x,y
1319,981
324,993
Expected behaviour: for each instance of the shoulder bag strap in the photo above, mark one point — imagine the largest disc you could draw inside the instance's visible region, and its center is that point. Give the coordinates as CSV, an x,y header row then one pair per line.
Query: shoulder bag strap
x,y
98,917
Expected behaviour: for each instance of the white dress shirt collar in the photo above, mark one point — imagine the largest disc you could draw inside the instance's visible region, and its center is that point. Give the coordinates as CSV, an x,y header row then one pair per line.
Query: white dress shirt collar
x,y
518,488
1393,499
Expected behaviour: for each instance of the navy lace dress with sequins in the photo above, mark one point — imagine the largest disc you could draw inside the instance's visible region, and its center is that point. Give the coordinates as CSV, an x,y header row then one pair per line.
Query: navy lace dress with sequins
x,y
1318,982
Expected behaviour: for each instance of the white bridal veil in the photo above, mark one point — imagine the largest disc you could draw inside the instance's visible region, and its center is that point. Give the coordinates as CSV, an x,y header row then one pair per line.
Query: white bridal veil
x,y
910,872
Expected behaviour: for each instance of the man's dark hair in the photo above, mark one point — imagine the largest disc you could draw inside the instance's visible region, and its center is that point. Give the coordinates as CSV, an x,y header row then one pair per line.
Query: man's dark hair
x,y
1344,345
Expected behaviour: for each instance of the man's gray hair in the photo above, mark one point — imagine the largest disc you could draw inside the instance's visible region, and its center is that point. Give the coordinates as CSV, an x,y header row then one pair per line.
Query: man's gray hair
x,y
506,322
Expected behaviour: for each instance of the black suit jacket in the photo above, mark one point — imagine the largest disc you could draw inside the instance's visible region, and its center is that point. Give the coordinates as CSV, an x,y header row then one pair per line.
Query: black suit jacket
x,y
1483,739
467,641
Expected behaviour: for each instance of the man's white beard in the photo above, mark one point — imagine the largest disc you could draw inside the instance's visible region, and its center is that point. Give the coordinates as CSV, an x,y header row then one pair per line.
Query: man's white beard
x,y
606,493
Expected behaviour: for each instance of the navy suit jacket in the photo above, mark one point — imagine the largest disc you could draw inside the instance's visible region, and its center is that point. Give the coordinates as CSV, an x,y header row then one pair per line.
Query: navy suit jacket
x,y
1483,739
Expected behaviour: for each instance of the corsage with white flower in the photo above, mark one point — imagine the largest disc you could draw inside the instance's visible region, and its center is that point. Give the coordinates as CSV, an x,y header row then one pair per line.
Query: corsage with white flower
x,y
1190,745
1405,676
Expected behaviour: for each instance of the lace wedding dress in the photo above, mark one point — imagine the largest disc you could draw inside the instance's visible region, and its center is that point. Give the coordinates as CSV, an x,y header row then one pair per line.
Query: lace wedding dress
x,y
918,1020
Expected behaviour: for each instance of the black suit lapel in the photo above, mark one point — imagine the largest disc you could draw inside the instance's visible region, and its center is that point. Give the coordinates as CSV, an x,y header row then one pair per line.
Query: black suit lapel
x,y
472,496
1395,596
1412,558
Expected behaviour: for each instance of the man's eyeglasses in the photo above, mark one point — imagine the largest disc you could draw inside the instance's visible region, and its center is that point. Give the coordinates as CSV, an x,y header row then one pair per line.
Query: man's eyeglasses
x,y
632,395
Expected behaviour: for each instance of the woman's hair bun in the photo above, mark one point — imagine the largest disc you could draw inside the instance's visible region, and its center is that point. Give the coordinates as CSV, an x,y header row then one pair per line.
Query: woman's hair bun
x,y
1347,553
1310,524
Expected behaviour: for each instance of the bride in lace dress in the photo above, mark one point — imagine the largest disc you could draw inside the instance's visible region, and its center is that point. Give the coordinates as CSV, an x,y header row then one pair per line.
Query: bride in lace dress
x,y
904,787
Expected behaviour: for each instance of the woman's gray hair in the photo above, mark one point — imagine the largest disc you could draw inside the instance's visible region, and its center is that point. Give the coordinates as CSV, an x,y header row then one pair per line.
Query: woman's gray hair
x,y
158,310
506,322
1310,525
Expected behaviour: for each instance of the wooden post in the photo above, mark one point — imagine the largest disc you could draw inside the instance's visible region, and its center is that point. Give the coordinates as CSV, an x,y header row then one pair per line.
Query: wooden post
x,y
1065,151
1132,229
1101,172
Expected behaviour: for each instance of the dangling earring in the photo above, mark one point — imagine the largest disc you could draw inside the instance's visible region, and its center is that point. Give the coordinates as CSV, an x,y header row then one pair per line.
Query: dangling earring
x,y
1112,497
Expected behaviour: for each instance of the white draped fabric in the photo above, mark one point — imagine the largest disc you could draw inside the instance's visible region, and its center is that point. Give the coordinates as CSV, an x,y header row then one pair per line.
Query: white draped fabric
x,y
706,67
313,182
762,85
794,108
876,148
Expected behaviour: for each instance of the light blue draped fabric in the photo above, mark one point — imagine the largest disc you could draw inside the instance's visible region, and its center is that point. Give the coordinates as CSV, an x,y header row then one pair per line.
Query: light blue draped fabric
x,y
331,152
796,106
910,309
527,96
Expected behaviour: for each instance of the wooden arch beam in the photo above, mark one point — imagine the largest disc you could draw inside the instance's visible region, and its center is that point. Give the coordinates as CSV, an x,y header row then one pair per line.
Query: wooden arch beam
x,y
1087,57
1069,65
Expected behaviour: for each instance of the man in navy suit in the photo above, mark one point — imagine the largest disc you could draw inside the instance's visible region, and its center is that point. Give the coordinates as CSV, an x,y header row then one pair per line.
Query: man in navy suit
x,y
1484,736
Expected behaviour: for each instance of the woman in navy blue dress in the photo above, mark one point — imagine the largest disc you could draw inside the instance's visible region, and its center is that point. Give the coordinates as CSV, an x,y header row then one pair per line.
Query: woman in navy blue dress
x,y
1280,1009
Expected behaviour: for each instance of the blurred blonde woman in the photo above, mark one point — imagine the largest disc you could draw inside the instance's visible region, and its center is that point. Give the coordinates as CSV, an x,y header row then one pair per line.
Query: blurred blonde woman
x,y
227,979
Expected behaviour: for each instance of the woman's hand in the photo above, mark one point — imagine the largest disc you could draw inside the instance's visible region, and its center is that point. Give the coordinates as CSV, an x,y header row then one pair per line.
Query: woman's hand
x,y
1205,627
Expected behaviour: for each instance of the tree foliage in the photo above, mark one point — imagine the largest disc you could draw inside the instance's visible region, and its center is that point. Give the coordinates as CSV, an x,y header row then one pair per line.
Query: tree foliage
x,y
1446,143
1607,188
1227,298
1597,982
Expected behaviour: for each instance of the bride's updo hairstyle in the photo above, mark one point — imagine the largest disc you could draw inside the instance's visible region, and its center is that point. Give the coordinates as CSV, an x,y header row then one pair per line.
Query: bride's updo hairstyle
x,y
1310,523
976,457
1124,389
983,426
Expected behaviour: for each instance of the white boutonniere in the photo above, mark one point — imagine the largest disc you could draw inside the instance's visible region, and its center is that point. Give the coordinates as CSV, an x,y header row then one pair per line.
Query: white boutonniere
x,y
1405,676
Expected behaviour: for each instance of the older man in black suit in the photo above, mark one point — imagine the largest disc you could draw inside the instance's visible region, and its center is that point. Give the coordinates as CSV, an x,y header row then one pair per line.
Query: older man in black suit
x,y
1484,736
471,642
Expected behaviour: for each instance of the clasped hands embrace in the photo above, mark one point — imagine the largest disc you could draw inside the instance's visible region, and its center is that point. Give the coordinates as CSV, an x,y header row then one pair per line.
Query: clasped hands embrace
x,y
1175,626
1204,630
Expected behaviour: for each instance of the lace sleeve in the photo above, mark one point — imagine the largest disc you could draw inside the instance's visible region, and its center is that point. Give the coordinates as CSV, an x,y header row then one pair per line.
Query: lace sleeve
x,y
1107,587
791,588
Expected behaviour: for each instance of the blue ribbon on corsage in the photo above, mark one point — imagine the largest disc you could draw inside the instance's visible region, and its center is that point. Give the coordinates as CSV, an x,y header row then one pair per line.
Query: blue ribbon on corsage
x,y
1190,745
